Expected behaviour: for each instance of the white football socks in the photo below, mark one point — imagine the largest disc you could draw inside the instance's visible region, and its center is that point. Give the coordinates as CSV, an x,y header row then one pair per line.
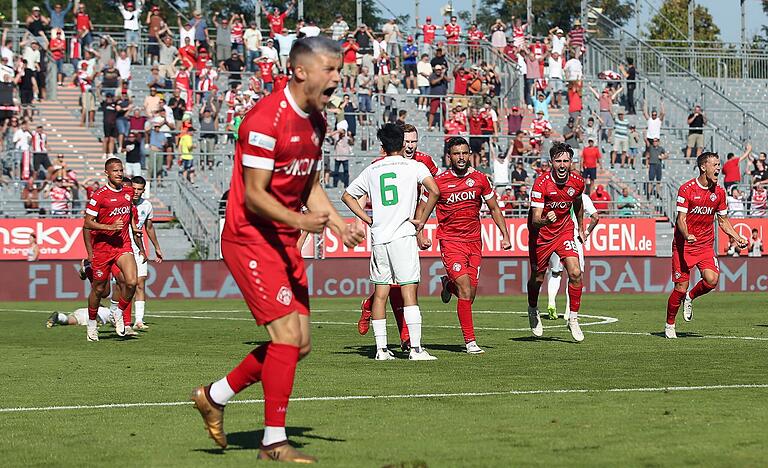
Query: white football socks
x,y
412,316
273,435
138,311
113,306
221,392
92,323
553,287
380,332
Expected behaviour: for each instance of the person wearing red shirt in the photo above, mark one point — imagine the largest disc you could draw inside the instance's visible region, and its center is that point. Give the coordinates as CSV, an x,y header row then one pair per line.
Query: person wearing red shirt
x,y
575,104
732,169
428,31
462,193
276,19
188,54
462,77
601,199
58,48
265,71
280,82
551,230
452,36
699,202
476,140
349,68
83,26
590,161
474,36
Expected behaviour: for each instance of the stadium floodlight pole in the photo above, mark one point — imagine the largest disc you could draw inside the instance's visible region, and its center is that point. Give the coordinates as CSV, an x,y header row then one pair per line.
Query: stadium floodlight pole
x,y
15,22
474,11
199,5
584,10
416,12
691,38
300,9
743,45
529,13
359,12
638,55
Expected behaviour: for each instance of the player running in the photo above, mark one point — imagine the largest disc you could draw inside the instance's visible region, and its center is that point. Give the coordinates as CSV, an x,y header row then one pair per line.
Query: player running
x,y
462,191
108,216
556,266
392,185
698,201
78,317
410,143
551,230
275,173
144,215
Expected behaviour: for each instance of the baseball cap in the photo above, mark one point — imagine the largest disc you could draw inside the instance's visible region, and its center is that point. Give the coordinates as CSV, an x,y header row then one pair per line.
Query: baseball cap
x,y
35,8
410,38
429,18
515,108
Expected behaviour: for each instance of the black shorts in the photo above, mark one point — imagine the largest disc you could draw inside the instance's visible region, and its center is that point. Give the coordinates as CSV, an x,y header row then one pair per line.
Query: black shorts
x,y
410,69
27,96
654,172
589,172
476,144
110,130
41,159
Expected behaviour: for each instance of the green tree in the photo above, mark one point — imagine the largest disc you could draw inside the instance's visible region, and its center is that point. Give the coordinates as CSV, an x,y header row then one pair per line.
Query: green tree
x,y
673,15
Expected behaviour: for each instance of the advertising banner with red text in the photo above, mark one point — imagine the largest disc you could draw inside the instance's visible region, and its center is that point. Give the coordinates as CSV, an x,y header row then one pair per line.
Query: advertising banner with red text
x,y
49,281
744,226
612,237
58,239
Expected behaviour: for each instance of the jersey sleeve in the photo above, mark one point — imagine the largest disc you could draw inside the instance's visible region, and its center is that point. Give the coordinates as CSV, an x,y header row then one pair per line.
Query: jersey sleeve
x,y
431,165
94,204
360,186
487,190
682,200
589,207
537,193
722,207
258,140
422,172
150,211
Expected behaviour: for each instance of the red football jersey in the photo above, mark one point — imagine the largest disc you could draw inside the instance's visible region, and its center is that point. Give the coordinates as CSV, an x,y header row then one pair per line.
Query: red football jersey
x,y
275,135
458,208
700,205
548,195
276,23
426,159
429,33
108,206
452,33
475,36
266,71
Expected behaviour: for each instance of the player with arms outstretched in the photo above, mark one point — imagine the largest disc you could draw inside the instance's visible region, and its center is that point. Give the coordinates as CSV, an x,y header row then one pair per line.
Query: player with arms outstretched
x,y
109,217
277,156
392,184
462,192
551,231
144,214
699,201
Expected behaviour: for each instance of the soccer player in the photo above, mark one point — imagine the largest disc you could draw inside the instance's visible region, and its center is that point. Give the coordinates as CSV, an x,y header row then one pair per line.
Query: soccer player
x,y
143,221
551,231
556,265
699,201
78,317
275,173
410,143
392,184
108,216
462,191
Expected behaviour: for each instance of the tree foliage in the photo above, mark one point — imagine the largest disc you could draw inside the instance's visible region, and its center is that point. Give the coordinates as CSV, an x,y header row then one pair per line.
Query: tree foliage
x,y
676,13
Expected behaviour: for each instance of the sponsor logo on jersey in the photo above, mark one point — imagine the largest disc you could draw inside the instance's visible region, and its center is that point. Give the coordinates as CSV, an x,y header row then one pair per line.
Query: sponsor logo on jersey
x,y
535,194
284,296
461,196
299,167
470,182
703,210
680,200
121,210
92,202
295,139
571,191
262,141
678,275
562,204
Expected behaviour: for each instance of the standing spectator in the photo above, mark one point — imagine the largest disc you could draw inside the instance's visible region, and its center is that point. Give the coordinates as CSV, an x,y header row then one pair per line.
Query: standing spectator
x,y
84,80
284,45
532,75
555,77
575,103
557,41
519,31
60,198
349,68
58,48
123,104
410,54
310,30
634,145
518,147
132,150
620,140
83,26
696,121
156,29
41,163
123,65
439,59
759,201
36,25
30,195
339,29
656,154
223,36
601,198
541,104
462,77
178,104
592,130
577,37
474,36
732,170
200,27
735,202
755,247
364,91
626,203
131,25
438,83
109,117
349,110
169,55
630,74
186,145
276,19
266,72
514,121
234,67
151,102
209,125
605,104
58,14
391,36
110,78
571,133
270,52
590,161
760,173
428,31
236,34
499,36
652,124
452,36
538,126
423,72
252,42
342,150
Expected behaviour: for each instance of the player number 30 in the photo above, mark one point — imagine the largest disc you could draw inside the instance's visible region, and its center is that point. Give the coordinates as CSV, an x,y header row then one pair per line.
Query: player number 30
x,y
388,191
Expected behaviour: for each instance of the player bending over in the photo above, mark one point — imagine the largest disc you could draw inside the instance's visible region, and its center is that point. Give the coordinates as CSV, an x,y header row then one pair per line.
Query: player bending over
x,y
78,317
556,265
109,218
551,230
698,202
275,173
392,185
462,191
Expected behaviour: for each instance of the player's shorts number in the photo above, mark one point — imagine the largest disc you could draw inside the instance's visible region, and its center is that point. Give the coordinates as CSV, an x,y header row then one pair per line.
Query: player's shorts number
x,y
570,245
388,192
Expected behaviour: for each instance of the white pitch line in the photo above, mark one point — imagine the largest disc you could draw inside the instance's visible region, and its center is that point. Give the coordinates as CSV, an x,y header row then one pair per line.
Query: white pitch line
x,y
405,396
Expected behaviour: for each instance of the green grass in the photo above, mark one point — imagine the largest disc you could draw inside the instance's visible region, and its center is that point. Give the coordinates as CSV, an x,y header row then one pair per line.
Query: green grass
x,y
711,427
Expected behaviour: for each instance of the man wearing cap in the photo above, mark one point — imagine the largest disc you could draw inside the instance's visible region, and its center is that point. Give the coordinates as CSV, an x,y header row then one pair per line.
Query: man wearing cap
x,y
577,36
186,144
453,35
349,68
339,29
131,16
410,56
234,65
557,40
428,31
514,121
474,36
270,52
156,29
200,26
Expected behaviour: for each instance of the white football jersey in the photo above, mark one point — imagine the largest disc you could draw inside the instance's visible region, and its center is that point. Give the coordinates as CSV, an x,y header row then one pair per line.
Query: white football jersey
x,y
589,210
392,185
145,212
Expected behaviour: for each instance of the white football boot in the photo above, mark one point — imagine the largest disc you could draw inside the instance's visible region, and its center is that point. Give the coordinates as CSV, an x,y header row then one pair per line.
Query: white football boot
x,y
473,348
117,317
669,331
420,355
384,355
576,333
92,333
688,308
534,320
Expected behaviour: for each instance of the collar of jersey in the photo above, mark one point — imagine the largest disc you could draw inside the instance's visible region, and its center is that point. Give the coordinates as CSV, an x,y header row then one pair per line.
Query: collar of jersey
x,y
294,106
114,190
469,171
697,183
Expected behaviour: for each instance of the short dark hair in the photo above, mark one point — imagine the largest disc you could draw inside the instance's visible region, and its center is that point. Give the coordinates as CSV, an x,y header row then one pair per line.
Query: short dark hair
x,y
391,138
408,128
110,161
312,46
127,180
730,155
453,142
560,147
704,157
139,180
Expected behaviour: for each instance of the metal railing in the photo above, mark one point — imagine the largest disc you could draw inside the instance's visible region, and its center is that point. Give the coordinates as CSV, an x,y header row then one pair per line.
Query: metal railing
x,y
197,219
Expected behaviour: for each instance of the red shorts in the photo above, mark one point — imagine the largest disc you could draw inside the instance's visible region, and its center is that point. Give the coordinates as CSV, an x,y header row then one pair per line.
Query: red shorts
x,y
539,252
462,258
683,262
272,278
105,262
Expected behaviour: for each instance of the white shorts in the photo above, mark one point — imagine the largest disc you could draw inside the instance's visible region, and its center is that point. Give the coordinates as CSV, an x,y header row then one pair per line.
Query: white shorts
x,y
396,262
141,265
556,266
81,315
132,169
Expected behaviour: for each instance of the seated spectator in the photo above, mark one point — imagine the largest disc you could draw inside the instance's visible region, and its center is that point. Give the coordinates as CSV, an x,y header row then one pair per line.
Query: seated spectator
x,y
626,203
759,201
601,199
755,248
31,196
484,167
735,202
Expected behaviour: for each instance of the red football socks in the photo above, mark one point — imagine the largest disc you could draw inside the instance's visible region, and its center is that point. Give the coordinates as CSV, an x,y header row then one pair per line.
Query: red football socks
x,y
464,309
673,305
396,302
277,379
93,313
248,371
127,313
700,289
533,294
574,295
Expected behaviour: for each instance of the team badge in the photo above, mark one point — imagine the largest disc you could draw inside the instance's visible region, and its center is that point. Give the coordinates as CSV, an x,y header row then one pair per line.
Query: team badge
x,y
457,267
571,191
677,275
99,274
284,296
253,264
470,182
127,197
712,196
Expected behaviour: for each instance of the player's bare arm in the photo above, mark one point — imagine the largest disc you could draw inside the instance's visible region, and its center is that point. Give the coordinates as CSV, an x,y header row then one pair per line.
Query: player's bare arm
x,y
90,223
539,220
578,210
501,223
682,226
725,225
355,208
318,200
150,228
433,194
88,244
593,222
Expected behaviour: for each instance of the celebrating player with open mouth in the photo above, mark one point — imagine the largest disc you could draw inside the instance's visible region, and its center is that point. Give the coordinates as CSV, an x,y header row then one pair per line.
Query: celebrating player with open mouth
x,y
551,230
275,173
462,191
698,201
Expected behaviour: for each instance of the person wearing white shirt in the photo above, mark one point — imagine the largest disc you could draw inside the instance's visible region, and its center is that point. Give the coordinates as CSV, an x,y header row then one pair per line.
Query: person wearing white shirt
x,y
285,41
123,65
310,30
392,186
270,52
556,77
131,17
557,40
252,41
423,72
574,71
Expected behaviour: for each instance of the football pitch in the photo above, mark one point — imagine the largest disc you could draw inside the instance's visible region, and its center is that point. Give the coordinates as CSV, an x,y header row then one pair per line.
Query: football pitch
x,y
624,397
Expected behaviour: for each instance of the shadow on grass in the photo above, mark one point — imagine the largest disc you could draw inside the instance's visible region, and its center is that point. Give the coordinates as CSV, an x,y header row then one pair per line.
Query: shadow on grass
x,y
255,343
679,334
453,348
251,440
762,325
541,338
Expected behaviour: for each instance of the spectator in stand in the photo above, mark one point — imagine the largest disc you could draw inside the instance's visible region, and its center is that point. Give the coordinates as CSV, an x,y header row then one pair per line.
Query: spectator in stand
x,y
157,28
474,36
514,121
132,150
755,248
573,71
58,14
439,59
506,200
519,30
252,42
484,167
634,145
476,140
575,104
577,37
201,29
58,48
518,147
36,25
60,197
237,29
572,133
110,78
132,26
620,140
519,175
270,52
656,154
349,68
626,203
209,125
83,26
541,104
735,201
760,173
124,106
532,75
30,195
605,104
760,157
438,83
342,149
169,55
364,92
557,41
223,36
365,39
537,130
590,161
186,145
41,163
732,170
630,74
653,124
452,36
234,66
601,199
59,167
555,77
696,121
759,202
384,68
428,31
109,117
410,54
276,19
123,65
462,77
545,145
392,36
339,29
499,36
423,72
348,114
